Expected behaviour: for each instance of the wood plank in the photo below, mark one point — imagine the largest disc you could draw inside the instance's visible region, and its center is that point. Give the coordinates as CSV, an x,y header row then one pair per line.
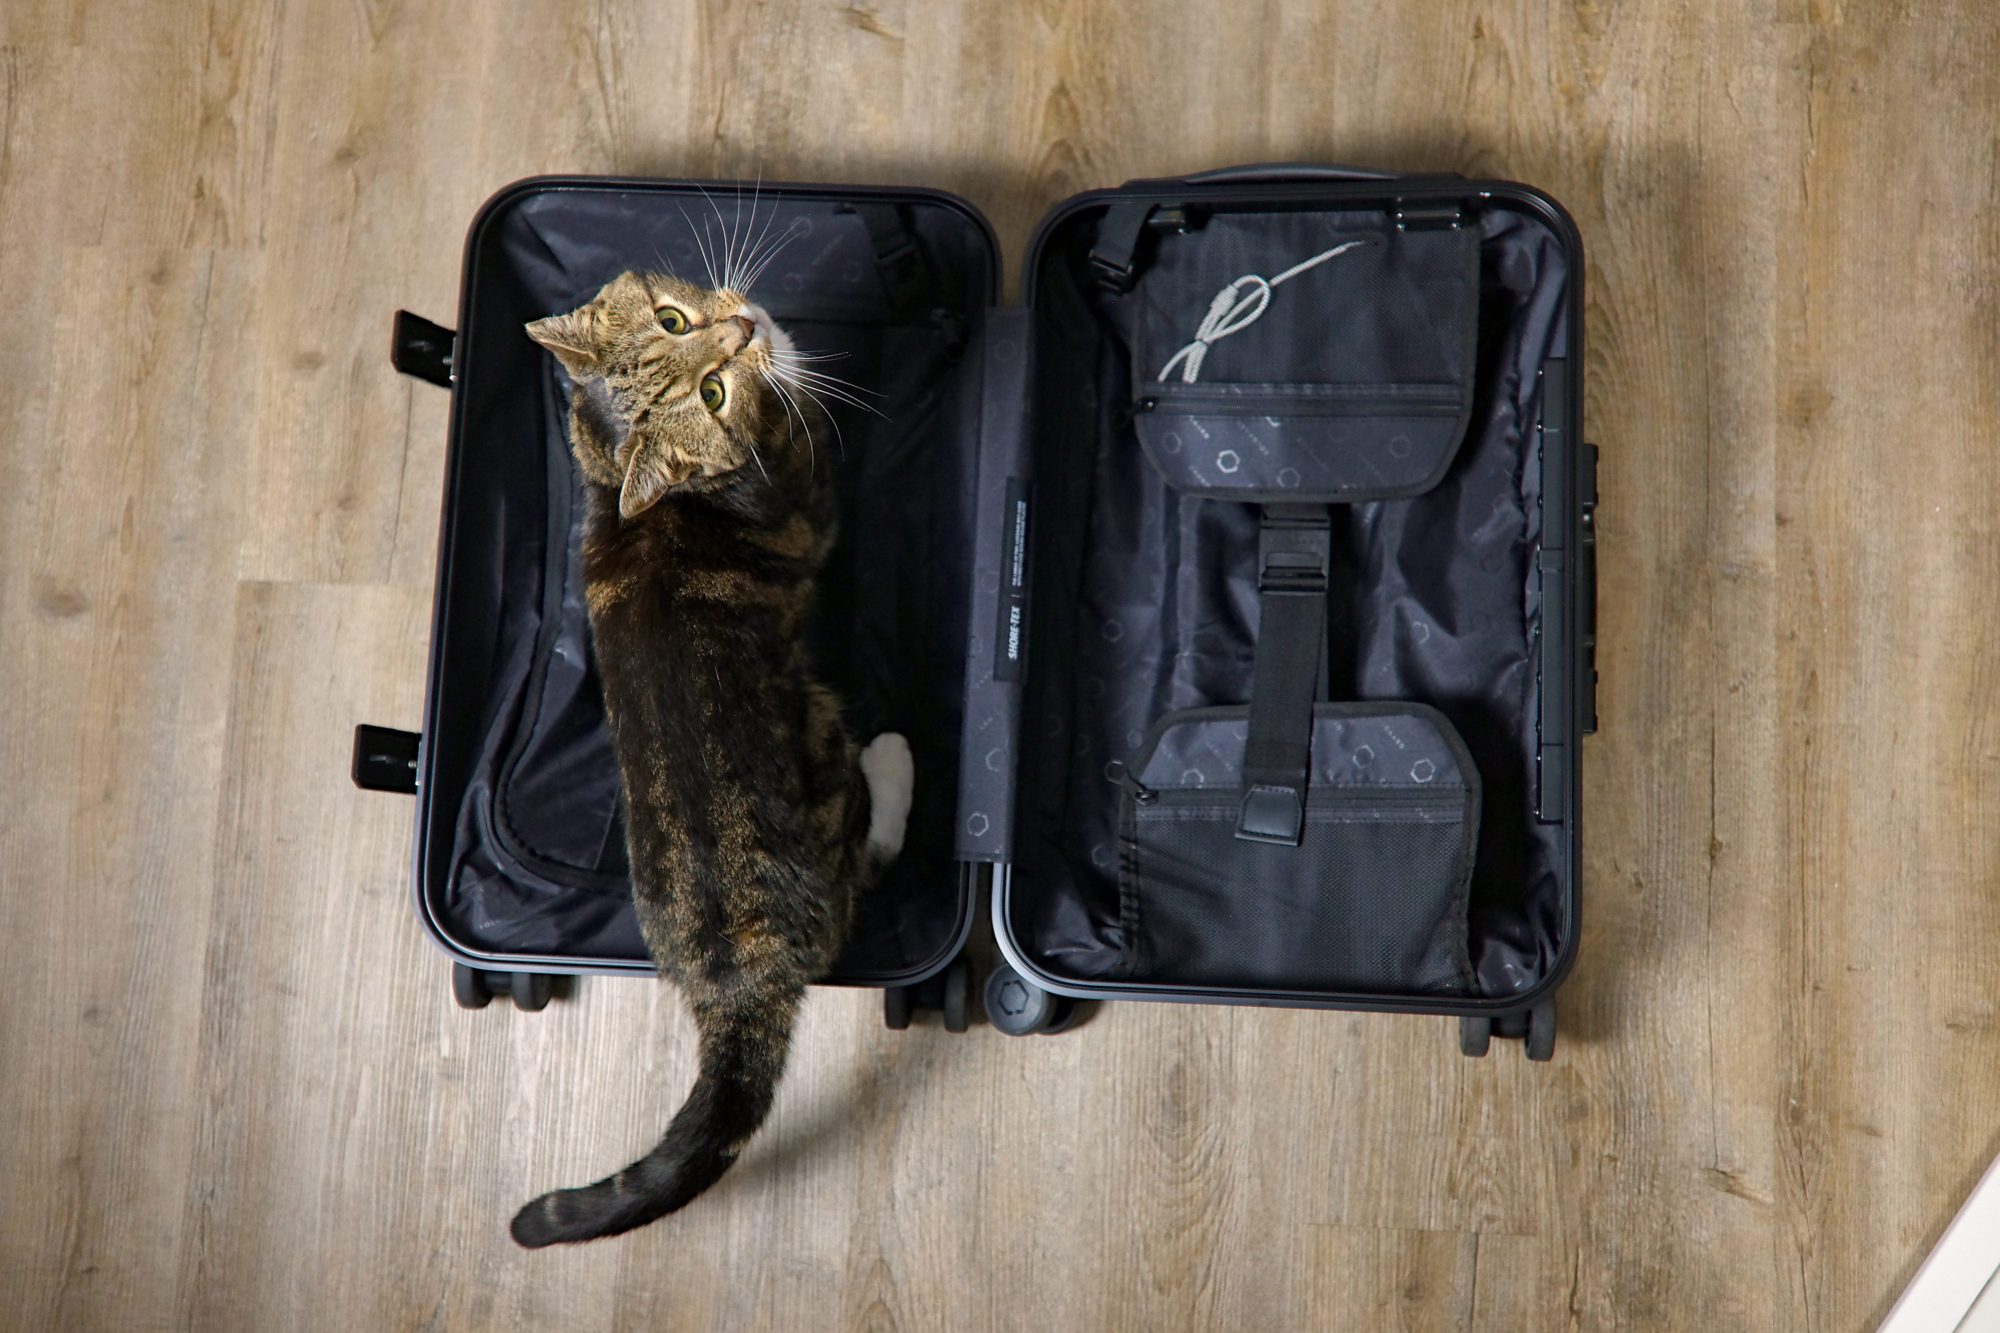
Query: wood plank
x,y
113,740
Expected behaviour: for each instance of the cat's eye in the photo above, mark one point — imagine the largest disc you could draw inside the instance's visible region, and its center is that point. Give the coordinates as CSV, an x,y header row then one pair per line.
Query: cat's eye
x,y
713,394
673,321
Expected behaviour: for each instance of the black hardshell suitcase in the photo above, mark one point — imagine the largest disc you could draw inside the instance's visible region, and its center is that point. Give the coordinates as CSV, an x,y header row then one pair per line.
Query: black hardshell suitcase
x,y
1066,560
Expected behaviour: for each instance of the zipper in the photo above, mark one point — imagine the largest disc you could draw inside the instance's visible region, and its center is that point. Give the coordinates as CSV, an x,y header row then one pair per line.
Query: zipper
x,y
1230,798
1443,402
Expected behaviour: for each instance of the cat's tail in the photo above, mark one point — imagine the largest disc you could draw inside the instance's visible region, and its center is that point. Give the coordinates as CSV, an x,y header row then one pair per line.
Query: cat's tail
x,y
744,1038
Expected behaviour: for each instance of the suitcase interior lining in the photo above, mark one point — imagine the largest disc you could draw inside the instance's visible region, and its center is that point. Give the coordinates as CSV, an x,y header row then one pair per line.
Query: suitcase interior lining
x,y
530,856
1144,602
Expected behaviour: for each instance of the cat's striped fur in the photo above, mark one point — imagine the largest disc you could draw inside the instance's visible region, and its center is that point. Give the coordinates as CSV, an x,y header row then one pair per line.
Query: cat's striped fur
x,y
748,807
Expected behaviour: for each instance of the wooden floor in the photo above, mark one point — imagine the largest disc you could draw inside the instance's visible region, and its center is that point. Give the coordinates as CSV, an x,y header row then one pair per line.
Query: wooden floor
x,y
235,1093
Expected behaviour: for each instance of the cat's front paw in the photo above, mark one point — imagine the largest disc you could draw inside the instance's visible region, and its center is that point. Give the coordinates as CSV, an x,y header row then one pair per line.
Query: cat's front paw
x,y
892,779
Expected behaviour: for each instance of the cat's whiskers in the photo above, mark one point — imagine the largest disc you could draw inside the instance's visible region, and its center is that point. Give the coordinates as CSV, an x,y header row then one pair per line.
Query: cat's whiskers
x,y
758,262
792,410
735,246
722,223
707,262
750,259
798,386
843,390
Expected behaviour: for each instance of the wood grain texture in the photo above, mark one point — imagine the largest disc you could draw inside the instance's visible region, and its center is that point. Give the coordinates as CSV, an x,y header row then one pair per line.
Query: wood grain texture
x,y
236,1092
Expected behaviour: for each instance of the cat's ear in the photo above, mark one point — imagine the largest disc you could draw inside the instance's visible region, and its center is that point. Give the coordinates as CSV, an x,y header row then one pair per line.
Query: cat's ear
x,y
652,471
568,336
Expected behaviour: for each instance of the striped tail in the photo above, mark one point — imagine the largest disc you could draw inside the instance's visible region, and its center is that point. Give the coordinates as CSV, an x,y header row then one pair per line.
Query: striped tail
x,y
744,1040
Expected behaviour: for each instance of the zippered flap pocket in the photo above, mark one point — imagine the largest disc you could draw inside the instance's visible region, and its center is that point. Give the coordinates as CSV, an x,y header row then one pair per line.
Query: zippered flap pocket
x,y
1372,900
1306,356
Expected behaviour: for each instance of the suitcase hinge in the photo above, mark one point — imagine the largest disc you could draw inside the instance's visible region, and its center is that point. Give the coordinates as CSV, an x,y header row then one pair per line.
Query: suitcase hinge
x,y
1430,215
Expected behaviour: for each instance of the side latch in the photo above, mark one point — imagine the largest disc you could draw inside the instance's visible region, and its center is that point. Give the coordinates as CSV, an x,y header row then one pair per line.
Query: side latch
x,y
422,349
385,759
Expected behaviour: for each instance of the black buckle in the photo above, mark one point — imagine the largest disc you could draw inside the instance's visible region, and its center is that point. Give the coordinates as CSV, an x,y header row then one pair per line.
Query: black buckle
x,y
1115,256
1294,553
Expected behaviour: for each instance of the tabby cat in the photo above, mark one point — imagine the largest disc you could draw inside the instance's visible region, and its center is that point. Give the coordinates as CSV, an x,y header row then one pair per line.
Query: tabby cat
x,y
752,823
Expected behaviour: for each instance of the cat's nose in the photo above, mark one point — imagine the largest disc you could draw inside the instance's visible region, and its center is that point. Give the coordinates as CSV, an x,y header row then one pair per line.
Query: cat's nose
x,y
748,326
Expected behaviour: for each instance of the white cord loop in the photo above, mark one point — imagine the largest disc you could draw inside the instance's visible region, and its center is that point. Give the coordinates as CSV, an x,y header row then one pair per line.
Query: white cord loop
x,y
1234,309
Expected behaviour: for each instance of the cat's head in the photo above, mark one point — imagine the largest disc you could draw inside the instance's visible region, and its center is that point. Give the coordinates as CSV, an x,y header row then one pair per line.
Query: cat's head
x,y
671,384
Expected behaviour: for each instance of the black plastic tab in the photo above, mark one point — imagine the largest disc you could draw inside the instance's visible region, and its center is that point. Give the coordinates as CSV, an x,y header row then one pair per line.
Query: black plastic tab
x,y
1114,258
1273,815
422,349
1429,215
385,759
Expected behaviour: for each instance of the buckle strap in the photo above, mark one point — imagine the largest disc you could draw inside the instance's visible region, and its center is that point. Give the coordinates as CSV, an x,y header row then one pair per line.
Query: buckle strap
x,y
1114,256
1294,557
898,259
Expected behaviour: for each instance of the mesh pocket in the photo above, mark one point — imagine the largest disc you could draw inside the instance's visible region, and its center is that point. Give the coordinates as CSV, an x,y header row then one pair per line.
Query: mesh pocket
x,y
1373,900
1347,379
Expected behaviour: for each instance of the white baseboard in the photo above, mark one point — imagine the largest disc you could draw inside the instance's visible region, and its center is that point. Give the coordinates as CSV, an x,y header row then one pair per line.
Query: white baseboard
x,y
1959,1272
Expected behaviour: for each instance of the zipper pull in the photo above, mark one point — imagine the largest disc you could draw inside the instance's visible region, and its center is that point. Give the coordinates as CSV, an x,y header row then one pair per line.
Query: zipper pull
x,y
1138,407
1138,790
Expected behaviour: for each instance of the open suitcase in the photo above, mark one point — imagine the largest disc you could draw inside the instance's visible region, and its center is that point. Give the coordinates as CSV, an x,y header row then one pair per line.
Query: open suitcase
x,y
1235,590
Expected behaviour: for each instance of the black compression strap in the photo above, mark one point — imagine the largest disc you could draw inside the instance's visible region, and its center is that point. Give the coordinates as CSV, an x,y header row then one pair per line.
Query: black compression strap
x,y
899,260
1294,551
1114,256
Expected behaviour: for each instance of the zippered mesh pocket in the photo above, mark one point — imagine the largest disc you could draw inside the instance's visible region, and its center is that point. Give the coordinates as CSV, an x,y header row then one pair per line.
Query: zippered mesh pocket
x,y
1373,900
1306,355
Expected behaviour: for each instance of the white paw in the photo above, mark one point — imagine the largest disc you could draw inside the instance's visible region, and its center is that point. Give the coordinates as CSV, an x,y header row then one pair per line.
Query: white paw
x,y
892,778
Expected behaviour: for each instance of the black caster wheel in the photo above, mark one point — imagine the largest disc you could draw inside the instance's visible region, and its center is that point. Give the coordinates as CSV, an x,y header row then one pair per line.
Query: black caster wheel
x,y
468,987
1475,1036
1015,1005
1542,1030
1068,1014
896,1007
958,996
530,990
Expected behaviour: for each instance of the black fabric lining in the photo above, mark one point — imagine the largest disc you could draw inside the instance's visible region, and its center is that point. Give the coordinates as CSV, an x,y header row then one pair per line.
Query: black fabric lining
x,y
536,862
1147,604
